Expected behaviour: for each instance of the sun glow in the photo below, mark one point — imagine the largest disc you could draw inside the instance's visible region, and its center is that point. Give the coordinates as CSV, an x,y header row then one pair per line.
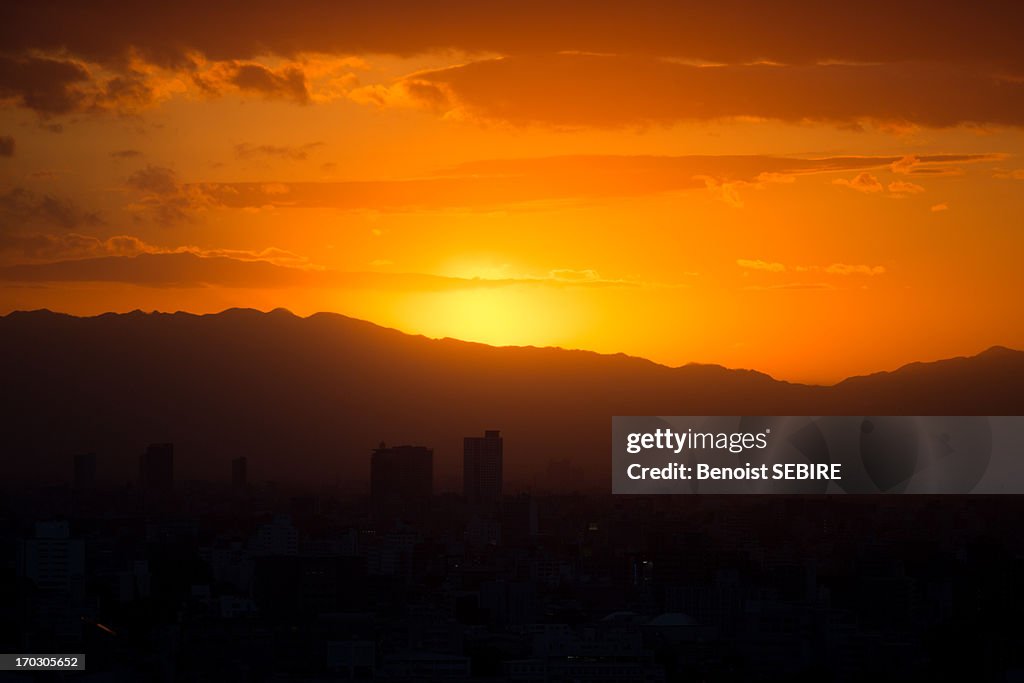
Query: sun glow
x,y
514,315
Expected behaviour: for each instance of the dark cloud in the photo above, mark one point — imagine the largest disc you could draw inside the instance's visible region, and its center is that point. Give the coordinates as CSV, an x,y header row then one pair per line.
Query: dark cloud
x,y
732,31
508,181
76,246
126,154
6,146
187,269
123,94
577,90
288,83
52,87
158,270
46,86
63,245
30,245
158,180
291,152
162,197
20,207
568,64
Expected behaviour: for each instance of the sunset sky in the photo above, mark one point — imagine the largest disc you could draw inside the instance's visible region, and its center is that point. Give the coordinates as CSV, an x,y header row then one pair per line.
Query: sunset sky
x,y
813,190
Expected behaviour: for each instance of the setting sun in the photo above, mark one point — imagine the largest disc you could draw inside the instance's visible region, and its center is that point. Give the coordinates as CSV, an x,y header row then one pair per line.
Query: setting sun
x,y
515,315
676,197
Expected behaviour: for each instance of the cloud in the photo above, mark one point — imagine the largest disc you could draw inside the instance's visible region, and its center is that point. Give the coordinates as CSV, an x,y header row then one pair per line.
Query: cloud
x,y
608,91
58,86
489,183
802,31
869,183
6,146
570,275
940,207
163,198
847,269
584,277
158,270
832,269
123,93
288,83
46,86
210,268
291,152
771,267
933,166
862,182
1017,174
152,179
126,154
638,63
53,87
628,64
36,245
21,207
724,191
74,246
793,286
901,187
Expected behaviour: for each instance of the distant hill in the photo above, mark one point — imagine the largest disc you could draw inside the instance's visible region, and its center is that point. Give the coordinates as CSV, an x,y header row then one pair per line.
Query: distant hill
x,y
307,398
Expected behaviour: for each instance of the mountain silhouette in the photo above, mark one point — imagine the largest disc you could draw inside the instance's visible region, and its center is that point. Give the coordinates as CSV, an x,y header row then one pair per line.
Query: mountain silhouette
x,y
306,399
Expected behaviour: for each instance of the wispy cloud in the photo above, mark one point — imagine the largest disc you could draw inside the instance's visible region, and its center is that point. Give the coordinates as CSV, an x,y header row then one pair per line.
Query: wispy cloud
x,y
74,246
499,182
831,269
870,184
757,264
247,151
901,187
129,260
162,197
862,182
21,207
617,90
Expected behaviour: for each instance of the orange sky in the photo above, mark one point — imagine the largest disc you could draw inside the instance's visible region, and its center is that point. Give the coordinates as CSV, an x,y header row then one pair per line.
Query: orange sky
x,y
815,193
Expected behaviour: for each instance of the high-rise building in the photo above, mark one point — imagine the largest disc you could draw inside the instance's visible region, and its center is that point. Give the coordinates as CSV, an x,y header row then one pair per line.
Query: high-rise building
x,y
85,470
239,471
278,537
482,467
52,558
401,473
156,468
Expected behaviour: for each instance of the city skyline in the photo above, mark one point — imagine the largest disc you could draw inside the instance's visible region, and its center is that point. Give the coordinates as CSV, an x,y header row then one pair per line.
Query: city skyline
x,y
509,341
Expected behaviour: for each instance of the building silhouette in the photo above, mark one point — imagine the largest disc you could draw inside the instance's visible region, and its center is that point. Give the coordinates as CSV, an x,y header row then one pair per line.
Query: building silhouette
x,y
401,474
482,467
85,470
156,468
239,471
52,559
279,537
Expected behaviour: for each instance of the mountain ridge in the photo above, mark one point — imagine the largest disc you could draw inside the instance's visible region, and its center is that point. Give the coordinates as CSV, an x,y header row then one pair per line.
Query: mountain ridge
x,y
280,311
307,399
